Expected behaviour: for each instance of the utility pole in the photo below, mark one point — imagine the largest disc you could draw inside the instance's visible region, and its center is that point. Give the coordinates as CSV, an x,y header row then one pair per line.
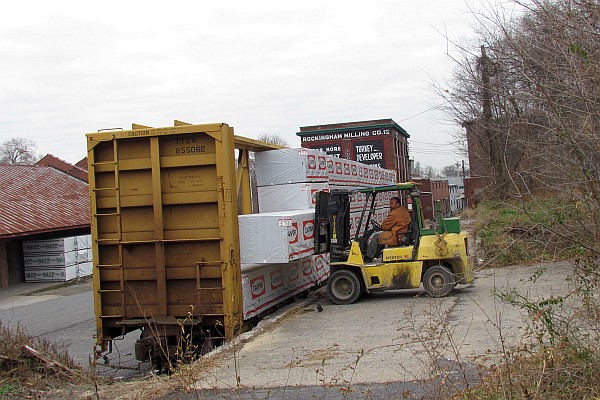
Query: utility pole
x,y
491,137
486,90
486,105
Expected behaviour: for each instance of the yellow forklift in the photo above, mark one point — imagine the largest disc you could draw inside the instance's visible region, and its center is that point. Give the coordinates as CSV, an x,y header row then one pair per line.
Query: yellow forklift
x,y
436,256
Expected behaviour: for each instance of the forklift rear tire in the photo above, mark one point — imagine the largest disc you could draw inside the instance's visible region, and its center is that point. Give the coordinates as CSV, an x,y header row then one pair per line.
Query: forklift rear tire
x,y
343,287
438,281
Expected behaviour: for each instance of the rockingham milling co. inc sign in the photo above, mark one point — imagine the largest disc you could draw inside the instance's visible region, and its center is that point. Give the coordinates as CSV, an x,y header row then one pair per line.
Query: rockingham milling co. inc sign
x,y
377,142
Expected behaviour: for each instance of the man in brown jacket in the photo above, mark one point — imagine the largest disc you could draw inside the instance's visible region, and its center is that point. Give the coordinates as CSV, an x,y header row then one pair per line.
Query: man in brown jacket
x,y
396,223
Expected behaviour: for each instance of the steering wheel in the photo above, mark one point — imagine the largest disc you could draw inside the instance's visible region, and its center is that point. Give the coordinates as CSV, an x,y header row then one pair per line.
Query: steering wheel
x,y
376,225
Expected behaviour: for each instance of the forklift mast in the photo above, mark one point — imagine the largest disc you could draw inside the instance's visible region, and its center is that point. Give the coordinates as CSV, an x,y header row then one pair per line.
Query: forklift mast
x,y
332,219
370,202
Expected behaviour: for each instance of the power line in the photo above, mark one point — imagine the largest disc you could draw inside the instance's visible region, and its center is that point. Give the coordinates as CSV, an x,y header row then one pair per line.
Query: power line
x,y
445,153
432,144
443,149
422,112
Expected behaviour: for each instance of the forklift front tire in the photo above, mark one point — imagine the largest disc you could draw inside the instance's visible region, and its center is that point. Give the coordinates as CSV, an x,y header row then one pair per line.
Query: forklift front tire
x,y
438,281
343,287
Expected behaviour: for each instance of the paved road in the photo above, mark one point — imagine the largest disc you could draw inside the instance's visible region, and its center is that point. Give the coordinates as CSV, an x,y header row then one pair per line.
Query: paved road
x,y
386,343
389,341
62,319
65,316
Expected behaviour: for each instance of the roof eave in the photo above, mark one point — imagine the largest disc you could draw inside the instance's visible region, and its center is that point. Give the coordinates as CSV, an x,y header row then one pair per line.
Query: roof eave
x,y
42,231
354,128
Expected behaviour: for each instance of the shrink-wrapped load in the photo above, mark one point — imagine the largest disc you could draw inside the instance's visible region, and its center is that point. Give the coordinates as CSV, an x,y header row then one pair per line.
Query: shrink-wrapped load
x,y
288,166
60,245
60,259
320,264
266,285
282,166
277,237
293,196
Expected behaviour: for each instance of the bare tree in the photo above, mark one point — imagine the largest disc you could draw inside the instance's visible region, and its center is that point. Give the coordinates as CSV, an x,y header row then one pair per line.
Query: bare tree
x,y
430,172
451,170
527,92
417,169
18,151
273,138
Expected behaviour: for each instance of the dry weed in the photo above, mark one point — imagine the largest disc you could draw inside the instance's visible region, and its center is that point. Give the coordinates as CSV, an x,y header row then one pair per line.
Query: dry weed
x,y
22,374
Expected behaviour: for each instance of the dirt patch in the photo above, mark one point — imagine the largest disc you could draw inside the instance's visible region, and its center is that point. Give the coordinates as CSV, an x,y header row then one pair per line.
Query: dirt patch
x,y
315,357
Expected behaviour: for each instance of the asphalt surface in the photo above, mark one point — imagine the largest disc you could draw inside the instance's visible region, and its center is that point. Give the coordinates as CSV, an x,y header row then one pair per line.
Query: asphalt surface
x,y
389,345
64,314
398,344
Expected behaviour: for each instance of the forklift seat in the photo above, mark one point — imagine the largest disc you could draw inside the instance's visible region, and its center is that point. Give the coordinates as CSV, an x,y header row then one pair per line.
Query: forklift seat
x,y
407,238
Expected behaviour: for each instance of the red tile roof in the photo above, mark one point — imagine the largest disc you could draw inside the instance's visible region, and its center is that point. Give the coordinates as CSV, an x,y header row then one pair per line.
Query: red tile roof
x,y
37,199
61,165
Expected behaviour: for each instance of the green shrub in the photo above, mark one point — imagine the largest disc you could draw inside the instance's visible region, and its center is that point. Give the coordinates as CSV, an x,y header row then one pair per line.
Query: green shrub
x,y
559,372
9,388
525,232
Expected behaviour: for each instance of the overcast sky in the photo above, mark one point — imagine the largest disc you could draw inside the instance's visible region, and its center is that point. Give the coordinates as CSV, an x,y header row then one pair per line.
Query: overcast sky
x,y
72,67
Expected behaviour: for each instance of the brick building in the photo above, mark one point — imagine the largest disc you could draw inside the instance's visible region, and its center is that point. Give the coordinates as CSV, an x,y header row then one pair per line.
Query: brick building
x,y
379,142
38,202
433,190
77,170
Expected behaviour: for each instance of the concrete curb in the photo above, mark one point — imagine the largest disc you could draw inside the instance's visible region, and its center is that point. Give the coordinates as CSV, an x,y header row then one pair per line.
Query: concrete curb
x,y
58,285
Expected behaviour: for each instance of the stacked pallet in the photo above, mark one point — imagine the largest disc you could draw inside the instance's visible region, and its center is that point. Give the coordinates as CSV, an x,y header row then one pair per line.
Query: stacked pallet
x,y
277,245
57,260
266,285
287,166
289,178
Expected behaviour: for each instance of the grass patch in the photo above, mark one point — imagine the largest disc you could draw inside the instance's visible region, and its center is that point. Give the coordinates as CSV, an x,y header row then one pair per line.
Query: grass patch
x,y
559,372
522,232
564,361
9,388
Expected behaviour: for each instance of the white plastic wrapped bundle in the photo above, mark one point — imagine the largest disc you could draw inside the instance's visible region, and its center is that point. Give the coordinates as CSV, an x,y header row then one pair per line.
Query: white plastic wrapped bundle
x,y
285,166
278,237
320,264
353,173
335,170
61,245
282,166
57,259
266,285
84,269
51,274
293,196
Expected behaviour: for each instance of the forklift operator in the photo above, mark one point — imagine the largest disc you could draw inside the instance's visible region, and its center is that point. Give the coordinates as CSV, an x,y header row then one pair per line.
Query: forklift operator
x,y
396,222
